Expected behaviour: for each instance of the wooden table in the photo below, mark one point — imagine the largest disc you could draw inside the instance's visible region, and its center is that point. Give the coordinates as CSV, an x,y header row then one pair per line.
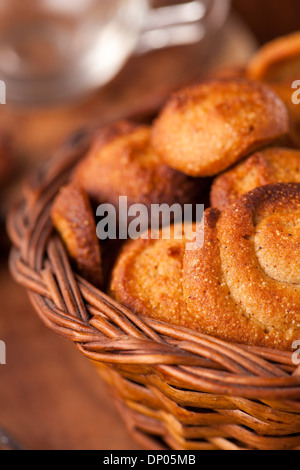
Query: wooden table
x,y
50,395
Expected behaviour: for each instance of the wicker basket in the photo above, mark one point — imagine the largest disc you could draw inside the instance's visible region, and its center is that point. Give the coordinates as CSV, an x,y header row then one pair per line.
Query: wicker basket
x,y
175,388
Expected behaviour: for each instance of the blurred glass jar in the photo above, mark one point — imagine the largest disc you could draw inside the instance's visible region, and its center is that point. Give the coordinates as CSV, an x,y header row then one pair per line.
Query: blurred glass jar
x,y
52,50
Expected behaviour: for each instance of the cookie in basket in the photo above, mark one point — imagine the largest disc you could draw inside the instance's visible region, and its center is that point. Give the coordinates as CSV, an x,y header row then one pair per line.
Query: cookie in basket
x,y
147,275
277,64
242,285
122,162
205,128
73,218
271,165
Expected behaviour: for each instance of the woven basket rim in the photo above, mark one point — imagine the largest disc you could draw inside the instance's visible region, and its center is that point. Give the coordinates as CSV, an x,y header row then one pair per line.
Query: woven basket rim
x,y
106,332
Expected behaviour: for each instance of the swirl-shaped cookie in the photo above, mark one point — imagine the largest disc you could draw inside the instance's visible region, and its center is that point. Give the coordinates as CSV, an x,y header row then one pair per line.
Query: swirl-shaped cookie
x,y
206,128
272,165
243,285
147,277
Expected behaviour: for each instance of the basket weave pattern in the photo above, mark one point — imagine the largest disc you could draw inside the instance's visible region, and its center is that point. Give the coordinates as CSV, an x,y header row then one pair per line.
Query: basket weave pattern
x,y
175,388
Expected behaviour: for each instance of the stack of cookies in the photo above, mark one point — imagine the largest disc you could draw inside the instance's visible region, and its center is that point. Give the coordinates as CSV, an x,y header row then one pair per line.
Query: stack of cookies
x,y
235,137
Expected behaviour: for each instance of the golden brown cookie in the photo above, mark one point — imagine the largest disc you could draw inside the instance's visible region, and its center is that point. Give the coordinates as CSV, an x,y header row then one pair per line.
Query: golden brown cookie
x,y
243,285
147,276
272,165
73,218
122,162
278,60
206,128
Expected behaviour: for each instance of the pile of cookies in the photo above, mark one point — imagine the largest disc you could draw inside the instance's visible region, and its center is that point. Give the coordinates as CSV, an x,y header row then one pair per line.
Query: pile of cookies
x,y
236,136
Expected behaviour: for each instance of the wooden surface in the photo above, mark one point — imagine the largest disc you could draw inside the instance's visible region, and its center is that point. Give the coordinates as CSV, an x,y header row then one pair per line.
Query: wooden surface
x,y
50,395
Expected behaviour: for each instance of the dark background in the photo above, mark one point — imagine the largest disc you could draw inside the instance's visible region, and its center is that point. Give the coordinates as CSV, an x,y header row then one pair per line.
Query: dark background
x,y
269,18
